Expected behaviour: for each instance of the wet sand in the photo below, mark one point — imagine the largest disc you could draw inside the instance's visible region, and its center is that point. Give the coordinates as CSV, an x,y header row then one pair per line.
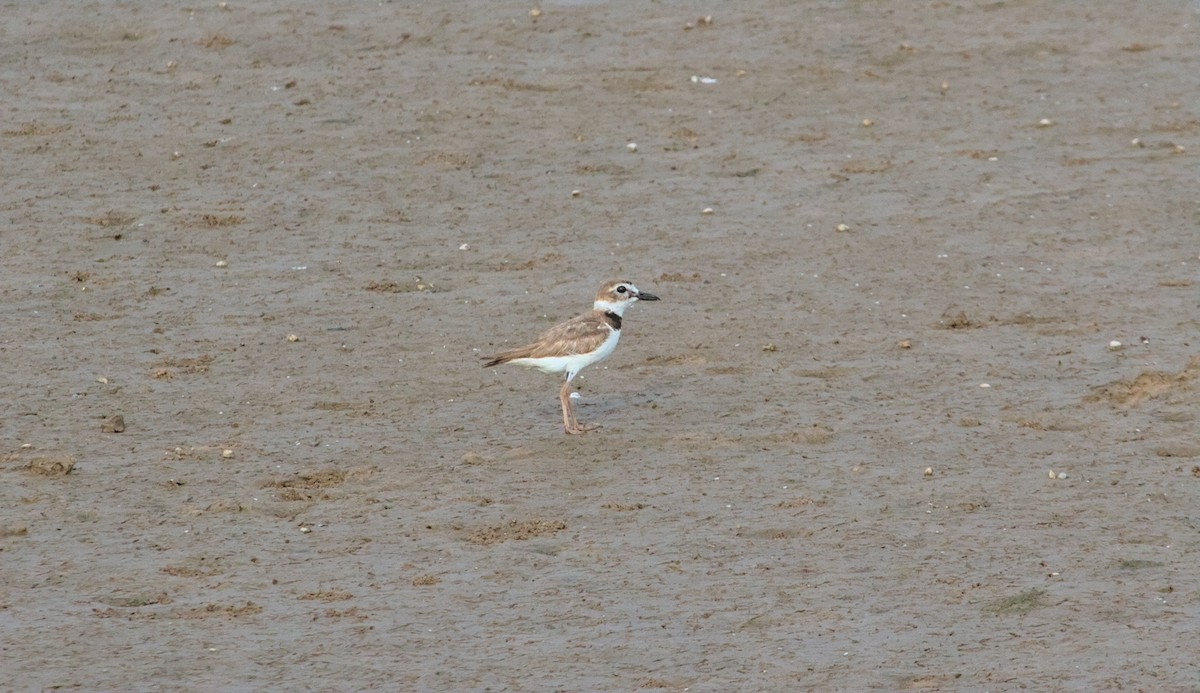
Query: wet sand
x,y
873,437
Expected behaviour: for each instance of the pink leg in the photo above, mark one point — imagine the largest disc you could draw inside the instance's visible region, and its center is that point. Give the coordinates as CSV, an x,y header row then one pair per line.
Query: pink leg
x,y
570,423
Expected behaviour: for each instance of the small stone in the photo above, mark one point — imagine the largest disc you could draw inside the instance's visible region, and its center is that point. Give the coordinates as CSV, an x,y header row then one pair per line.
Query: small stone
x,y
227,453
305,530
632,146
222,263
1045,123
928,471
867,122
576,193
904,344
842,228
51,466
1062,475
1114,345
10,530
113,424
102,380
769,347
293,338
985,385
707,210
535,12
1051,474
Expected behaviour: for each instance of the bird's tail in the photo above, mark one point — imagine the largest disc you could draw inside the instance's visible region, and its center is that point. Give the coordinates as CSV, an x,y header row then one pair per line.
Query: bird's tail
x,y
497,359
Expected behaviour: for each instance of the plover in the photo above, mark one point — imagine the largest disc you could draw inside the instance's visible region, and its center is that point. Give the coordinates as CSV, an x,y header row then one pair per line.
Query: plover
x,y
571,346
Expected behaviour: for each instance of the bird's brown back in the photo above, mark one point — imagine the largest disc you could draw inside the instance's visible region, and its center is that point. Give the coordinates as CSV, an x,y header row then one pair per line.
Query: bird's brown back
x,y
580,334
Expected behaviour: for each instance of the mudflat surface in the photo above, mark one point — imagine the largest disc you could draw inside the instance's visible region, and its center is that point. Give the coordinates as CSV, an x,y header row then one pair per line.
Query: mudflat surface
x,y
873,437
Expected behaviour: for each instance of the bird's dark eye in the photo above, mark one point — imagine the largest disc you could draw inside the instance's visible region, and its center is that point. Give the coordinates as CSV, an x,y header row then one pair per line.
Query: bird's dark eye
x,y
620,289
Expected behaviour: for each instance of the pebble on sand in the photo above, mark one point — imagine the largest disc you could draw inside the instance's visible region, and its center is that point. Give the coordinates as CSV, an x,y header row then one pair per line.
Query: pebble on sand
x,y
51,466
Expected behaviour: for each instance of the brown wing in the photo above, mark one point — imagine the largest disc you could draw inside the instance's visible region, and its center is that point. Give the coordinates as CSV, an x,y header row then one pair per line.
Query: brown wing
x,y
575,336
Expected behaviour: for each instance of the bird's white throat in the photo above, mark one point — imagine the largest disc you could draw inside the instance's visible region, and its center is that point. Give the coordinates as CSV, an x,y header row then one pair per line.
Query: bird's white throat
x,y
617,307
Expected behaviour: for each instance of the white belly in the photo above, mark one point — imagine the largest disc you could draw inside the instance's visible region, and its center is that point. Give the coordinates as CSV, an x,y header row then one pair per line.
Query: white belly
x,y
573,363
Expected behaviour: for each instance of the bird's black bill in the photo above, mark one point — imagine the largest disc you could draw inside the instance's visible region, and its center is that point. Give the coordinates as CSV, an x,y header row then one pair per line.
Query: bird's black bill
x,y
643,296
